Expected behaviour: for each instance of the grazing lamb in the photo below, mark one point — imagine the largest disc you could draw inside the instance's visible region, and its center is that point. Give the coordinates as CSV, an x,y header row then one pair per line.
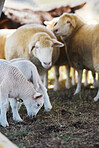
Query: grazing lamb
x,y
36,43
29,70
13,84
62,60
81,41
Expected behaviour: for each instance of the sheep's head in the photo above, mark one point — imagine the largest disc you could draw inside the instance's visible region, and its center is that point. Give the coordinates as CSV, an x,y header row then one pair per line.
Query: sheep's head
x,y
51,23
33,103
42,46
65,25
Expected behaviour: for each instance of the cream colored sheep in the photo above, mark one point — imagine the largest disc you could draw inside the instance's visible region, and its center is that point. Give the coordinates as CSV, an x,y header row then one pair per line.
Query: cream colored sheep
x,y
81,40
62,60
36,43
4,33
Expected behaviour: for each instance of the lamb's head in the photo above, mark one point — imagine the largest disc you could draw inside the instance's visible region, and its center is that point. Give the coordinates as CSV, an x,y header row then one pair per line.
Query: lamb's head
x,y
42,46
33,103
65,25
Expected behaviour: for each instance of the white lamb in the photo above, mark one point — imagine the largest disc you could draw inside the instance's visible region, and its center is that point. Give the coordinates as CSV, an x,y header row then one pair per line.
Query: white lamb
x,y
13,84
29,70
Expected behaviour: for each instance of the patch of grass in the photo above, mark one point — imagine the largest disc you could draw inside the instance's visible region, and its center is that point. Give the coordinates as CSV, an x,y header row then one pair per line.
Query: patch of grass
x,y
65,138
20,145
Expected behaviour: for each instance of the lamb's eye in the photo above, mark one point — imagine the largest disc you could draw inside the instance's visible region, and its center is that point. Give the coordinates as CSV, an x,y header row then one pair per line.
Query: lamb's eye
x,y
55,24
38,105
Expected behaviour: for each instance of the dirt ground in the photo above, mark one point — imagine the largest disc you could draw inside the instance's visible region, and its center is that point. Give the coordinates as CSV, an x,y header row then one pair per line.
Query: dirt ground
x,y
72,123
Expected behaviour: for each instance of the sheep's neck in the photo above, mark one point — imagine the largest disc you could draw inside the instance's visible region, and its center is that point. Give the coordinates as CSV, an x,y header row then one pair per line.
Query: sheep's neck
x,y
76,29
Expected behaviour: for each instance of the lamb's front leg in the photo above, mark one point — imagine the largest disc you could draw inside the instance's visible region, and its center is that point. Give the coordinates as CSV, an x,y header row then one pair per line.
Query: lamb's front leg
x,y
16,115
4,104
47,103
78,89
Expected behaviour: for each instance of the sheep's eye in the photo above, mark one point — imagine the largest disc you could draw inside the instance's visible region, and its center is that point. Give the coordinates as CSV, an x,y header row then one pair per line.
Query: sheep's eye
x,y
55,24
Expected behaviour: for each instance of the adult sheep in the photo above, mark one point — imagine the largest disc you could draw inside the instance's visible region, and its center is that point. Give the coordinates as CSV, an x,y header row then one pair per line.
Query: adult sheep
x,y
81,41
62,60
36,43
13,84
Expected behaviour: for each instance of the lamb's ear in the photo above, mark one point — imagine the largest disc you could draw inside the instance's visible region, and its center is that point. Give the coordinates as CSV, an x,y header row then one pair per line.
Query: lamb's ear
x,y
57,43
31,46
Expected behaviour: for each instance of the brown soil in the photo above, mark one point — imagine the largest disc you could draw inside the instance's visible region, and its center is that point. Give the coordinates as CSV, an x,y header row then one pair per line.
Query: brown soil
x,y
72,123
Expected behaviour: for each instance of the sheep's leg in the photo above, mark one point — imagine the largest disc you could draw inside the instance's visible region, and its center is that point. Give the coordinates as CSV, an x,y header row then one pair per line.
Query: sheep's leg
x,y
46,79
4,104
19,105
97,96
94,77
73,76
78,89
98,77
47,103
16,115
56,85
94,80
86,76
68,76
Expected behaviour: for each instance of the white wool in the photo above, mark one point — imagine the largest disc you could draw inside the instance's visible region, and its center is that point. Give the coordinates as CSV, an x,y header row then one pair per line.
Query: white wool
x,y
13,84
29,70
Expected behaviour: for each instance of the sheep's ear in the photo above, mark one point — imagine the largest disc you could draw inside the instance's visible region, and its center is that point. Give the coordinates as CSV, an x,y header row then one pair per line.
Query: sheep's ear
x,y
37,96
57,43
31,46
46,23
34,52
73,23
